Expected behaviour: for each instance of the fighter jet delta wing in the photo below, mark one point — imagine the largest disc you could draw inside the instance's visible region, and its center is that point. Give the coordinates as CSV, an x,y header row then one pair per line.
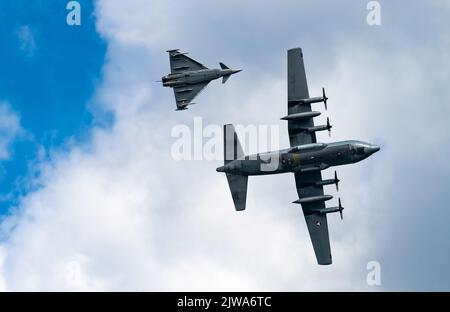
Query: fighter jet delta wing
x,y
302,131
179,62
185,94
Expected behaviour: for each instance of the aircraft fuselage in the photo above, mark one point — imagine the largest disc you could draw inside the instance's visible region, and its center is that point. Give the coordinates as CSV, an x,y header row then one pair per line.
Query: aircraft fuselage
x,y
195,77
305,158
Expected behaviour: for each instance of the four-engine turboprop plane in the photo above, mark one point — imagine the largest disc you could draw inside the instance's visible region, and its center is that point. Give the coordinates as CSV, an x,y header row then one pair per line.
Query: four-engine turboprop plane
x,y
188,77
305,158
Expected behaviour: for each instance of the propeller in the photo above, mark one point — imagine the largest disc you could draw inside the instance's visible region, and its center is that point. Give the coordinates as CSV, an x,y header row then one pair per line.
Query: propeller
x,y
341,209
325,99
329,126
336,181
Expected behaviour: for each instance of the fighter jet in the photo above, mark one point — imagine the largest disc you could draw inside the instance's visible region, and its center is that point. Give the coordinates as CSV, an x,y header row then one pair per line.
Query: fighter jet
x,y
188,77
306,158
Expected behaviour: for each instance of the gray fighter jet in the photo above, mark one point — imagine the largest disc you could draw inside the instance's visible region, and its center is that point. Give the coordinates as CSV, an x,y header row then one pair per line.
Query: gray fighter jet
x,y
188,77
306,158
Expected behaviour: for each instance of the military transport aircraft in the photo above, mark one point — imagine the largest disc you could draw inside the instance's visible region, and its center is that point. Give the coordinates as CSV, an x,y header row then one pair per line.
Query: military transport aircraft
x,y
305,158
188,77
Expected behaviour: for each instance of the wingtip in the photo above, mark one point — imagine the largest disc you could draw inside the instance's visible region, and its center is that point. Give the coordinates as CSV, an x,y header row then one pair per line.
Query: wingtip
x,y
294,49
325,263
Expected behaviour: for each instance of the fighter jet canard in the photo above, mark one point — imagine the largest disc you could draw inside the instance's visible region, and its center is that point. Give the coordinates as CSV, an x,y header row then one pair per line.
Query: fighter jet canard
x,y
306,158
189,77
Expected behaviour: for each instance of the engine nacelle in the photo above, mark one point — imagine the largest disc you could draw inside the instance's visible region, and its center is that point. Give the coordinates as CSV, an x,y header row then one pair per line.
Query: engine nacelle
x,y
313,199
313,168
300,116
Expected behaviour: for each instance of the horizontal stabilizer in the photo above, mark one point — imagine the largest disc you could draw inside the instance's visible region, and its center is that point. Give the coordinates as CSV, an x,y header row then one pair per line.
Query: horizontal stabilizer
x,y
238,187
223,66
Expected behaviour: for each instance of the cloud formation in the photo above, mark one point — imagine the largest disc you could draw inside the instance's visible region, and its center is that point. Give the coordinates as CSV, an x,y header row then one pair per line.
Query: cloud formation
x,y
27,43
10,129
117,213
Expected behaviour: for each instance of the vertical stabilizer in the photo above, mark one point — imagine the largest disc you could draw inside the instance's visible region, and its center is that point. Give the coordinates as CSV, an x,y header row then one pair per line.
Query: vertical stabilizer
x,y
231,146
223,66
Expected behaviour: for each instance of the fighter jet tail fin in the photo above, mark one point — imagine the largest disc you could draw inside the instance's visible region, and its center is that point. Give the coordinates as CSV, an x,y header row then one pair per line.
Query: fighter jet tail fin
x,y
225,78
238,188
223,66
232,148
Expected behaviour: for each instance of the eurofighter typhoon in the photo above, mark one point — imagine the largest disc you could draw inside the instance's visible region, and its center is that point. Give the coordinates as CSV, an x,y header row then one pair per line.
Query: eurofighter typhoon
x,y
306,158
189,77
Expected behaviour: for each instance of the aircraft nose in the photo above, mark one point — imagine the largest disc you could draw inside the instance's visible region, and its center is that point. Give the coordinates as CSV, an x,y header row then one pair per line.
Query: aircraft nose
x,y
373,149
235,71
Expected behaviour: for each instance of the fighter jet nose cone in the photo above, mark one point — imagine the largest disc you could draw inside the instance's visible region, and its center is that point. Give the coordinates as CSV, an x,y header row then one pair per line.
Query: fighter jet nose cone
x,y
373,149
237,71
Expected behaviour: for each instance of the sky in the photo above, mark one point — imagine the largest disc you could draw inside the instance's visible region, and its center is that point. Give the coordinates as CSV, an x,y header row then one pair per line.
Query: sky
x,y
92,199
49,73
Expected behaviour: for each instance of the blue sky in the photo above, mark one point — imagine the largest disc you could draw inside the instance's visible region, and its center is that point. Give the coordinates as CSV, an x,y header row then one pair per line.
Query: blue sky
x,y
48,73
111,209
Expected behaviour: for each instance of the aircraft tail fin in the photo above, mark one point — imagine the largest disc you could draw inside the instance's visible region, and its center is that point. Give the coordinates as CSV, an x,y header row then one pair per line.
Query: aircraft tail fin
x,y
238,188
232,148
223,66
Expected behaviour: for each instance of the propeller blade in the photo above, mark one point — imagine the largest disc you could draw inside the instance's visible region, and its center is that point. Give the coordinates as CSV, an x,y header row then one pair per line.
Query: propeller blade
x,y
336,181
341,209
325,99
329,126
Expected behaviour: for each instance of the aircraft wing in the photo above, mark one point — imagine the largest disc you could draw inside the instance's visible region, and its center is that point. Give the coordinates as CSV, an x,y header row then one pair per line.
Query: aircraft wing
x,y
316,222
305,181
298,89
179,62
185,94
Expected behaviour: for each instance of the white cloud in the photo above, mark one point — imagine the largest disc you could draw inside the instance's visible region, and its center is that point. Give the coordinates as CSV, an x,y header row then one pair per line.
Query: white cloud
x,y
26,40
10,129
119,214
2,281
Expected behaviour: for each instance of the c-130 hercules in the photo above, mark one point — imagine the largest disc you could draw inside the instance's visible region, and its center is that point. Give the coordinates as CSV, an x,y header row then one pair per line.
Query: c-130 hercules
x,y
305,158
188,77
